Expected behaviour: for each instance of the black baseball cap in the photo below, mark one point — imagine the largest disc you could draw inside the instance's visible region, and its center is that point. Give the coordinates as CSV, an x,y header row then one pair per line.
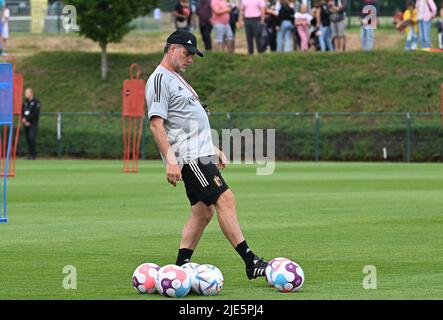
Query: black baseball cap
x,y
186,39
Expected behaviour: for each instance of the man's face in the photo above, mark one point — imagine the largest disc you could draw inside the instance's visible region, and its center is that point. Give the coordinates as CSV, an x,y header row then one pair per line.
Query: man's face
x,y
28,94
181,58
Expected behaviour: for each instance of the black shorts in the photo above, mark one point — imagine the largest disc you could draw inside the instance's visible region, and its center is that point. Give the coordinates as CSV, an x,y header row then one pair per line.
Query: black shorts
x,y
203,181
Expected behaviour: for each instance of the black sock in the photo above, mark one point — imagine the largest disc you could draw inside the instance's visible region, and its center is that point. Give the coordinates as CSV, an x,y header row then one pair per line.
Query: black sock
x,y
184,256
246,253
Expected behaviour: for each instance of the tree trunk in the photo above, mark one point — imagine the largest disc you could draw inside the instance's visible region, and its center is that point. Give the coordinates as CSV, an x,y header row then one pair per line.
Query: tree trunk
x,y
104,68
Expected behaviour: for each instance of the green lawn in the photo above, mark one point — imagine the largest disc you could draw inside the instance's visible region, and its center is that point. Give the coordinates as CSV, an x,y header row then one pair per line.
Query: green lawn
x,y
332,218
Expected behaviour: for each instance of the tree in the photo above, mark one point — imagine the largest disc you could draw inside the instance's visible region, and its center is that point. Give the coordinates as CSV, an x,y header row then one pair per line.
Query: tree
x,y
108,21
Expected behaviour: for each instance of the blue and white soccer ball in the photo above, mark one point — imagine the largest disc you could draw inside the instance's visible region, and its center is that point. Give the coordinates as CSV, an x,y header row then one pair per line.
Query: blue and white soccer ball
x,y
190,267
285,275
173,281
207,280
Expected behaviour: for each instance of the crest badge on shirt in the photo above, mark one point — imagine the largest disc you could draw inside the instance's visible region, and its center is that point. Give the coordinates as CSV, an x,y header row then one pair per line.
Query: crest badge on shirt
x,y
217,181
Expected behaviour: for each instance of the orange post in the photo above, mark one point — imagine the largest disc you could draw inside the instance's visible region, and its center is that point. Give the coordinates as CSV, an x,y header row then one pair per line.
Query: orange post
x,y
17,101
132,118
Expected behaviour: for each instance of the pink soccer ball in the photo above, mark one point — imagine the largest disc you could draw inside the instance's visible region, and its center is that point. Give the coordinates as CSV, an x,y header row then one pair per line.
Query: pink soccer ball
x,y
144,278
274,263
287,276
173,281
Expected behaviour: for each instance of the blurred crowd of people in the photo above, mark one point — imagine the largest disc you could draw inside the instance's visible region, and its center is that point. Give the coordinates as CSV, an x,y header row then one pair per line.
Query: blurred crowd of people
x,y
288,25
416,22
277,25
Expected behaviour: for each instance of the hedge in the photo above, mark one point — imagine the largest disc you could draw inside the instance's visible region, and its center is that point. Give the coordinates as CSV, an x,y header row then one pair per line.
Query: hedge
x,y
340,139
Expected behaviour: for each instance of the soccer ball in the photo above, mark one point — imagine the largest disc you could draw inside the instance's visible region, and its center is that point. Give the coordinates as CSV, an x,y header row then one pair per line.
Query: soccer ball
x,y
274,263
207,280
173,281
190,267
144,278
286,275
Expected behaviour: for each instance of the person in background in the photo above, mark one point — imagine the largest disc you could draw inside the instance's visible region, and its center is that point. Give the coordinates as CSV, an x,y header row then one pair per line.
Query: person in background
x,y
398,17
324,25
233,19
285,27
426,10
338,24
5,28
30,116
368,24
224,37
315,30
183,14
204,13
302,22
271,23
193,4
1,30
410,15
252,16
233,16
295,5
439,25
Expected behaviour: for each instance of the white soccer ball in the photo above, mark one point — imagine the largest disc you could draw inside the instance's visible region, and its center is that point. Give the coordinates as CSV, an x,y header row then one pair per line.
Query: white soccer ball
x,y
144,278
207,280
173,281
286,275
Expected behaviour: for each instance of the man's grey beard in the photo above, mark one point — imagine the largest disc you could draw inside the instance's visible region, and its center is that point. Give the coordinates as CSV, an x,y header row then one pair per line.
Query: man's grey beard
x,y
178,70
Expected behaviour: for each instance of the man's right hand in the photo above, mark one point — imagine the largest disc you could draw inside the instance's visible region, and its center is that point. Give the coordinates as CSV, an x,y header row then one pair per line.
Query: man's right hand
x,y
26,123
173,173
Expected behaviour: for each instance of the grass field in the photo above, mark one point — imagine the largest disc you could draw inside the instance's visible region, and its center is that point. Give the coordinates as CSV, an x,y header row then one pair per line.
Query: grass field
x,y
332,218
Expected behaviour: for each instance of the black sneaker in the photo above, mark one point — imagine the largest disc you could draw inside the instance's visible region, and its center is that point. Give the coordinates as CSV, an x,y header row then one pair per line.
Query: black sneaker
x,y
257,269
